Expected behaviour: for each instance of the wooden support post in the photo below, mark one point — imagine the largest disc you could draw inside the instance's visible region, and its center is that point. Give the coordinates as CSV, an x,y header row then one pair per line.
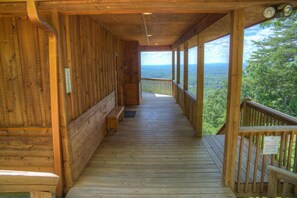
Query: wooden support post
x,y
185,83
52,41
178,66
173,64
186,66
173,71
234,91
200,85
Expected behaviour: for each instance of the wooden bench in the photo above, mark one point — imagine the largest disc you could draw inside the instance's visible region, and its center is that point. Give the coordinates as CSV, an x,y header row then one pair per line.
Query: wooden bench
x,y
114,116
39,184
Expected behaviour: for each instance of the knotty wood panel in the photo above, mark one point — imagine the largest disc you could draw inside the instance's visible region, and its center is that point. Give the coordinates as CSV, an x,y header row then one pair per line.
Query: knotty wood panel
x,y
86,133
24,76
25,112
90,57
28,149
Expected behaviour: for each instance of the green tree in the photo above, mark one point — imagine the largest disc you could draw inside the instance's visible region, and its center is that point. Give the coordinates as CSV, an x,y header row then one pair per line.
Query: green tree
x,y
214,110
271,74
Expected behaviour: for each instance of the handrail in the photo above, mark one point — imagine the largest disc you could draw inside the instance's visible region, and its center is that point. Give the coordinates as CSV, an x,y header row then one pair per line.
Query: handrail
x,y
274,113
276,174
259,129
157,79
39,184
157,85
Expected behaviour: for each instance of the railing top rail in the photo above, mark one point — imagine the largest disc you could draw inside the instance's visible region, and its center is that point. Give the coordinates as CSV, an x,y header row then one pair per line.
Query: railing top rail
x,y
273,113
190,95
157,79
257,129
287,175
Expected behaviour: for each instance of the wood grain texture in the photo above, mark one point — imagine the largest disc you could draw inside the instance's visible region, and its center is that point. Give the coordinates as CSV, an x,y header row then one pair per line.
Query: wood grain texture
x,y
24,76
86,133
90,57
27,149
154,154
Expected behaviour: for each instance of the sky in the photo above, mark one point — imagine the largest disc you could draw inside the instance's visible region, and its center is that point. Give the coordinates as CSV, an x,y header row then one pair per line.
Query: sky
x,y
215,52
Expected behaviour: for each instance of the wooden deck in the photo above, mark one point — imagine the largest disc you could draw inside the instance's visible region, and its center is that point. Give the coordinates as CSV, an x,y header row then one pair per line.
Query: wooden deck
x,y
152,155
215,146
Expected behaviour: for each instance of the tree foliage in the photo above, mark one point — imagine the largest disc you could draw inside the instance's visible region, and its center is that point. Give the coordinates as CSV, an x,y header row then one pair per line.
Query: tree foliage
x,y
271,74
270,77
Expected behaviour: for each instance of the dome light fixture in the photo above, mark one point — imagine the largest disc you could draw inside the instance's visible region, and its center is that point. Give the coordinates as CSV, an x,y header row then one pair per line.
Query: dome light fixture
x,y
278,11
269,12
287,10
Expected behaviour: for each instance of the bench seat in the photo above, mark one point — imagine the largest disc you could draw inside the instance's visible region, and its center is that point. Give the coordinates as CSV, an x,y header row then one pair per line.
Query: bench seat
x,y
114,117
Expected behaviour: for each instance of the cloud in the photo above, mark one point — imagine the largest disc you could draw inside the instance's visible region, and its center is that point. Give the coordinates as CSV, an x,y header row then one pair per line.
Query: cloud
x,y
215,52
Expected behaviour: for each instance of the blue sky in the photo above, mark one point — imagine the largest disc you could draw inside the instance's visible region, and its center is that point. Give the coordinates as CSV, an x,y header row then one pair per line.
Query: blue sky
x,y
215,52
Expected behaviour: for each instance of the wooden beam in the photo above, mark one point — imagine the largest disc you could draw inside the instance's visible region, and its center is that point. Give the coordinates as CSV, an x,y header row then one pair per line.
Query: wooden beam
x,y
83,7
200,86
234,91
186,66
63,61
52,40
173,71
173,64
155,48
205,22
178,66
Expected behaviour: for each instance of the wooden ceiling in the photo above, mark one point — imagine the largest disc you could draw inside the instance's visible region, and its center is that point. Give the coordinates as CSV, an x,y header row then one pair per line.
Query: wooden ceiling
x,y
172,21
164,28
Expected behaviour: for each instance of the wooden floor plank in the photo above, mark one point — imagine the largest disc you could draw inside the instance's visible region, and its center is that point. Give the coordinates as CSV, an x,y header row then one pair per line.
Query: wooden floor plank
x,y
154,154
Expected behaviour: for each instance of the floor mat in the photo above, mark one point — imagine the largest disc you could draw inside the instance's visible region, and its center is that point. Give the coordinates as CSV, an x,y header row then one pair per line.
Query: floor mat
x,y
129,114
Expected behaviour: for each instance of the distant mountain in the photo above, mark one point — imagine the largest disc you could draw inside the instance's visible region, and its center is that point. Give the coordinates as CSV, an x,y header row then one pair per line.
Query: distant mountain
x,y
214,74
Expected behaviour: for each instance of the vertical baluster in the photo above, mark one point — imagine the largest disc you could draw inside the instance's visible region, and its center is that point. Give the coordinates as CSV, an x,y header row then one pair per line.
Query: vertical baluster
x,y
263,172
248,166
256,163
282,150
284,192
290,151
240,162
285,160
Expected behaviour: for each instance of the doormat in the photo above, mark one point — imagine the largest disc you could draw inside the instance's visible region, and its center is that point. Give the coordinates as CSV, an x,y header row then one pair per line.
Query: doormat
x,y
129,114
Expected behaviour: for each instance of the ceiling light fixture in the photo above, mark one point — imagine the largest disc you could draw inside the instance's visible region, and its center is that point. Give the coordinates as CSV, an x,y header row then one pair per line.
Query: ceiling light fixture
x,y
149,35
278,11
147,13
287,10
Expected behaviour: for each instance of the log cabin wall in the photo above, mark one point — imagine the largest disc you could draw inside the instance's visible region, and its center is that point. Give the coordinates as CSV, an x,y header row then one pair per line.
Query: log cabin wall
x,y
25,112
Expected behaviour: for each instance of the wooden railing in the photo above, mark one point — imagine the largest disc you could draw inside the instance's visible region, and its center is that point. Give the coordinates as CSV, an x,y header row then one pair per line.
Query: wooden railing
x,y
187,103
256,122
252,164
279,176
157,85
255,114
37,183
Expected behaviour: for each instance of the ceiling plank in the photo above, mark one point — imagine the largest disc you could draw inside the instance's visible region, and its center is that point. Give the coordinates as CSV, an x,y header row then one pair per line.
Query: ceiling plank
x,y
83,7
205,22
148,48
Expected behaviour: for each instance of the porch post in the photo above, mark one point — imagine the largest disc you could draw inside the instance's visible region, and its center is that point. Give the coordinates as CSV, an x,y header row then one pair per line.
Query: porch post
x,y
200,85
178,66
234,91
186,46
173,71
